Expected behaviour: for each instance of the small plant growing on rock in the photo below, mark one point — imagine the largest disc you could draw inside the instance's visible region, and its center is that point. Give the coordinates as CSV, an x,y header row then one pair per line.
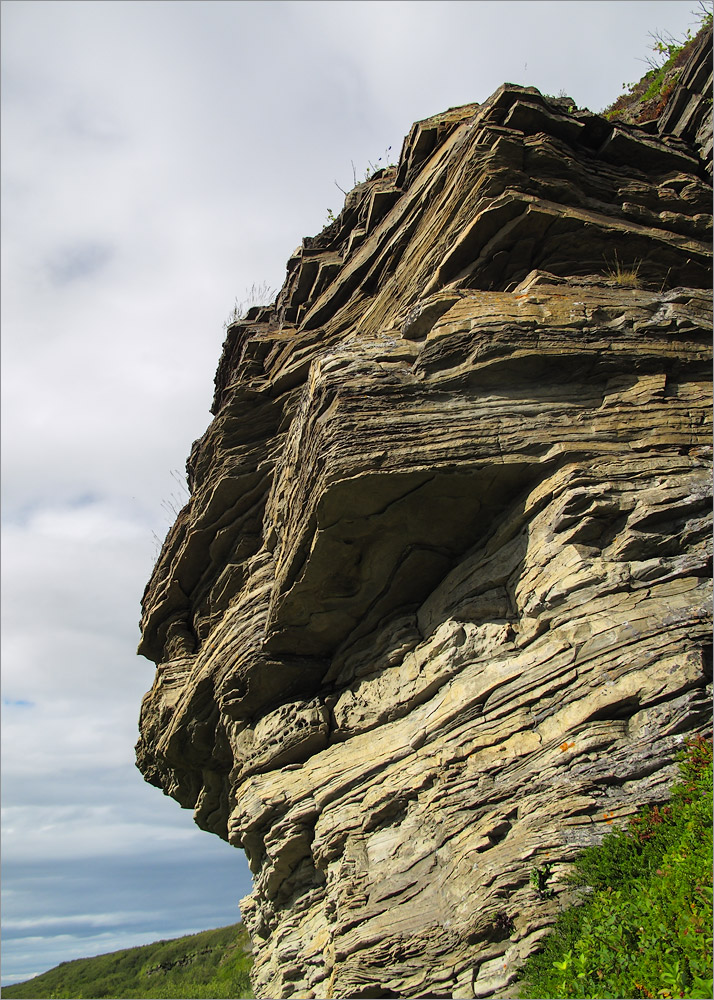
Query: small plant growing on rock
x,y
256,295
628,277
539,881
502,924
383,163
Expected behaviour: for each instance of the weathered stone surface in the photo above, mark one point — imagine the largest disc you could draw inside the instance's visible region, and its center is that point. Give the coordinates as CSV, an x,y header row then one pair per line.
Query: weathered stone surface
x,y
438,610
689,113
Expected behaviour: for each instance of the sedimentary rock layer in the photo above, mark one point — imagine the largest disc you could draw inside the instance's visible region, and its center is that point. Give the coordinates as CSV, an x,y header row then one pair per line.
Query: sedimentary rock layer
x,y
438,610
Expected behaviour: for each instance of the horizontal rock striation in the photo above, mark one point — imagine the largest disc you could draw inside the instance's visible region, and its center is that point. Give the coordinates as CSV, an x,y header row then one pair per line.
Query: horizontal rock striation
x,y
438,610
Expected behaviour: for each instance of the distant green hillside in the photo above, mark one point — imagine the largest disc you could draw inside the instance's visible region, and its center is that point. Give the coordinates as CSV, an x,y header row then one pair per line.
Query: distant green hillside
x,y
210,964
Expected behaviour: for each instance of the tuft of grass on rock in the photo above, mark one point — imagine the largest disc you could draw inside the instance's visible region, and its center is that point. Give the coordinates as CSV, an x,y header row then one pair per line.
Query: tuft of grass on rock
x,y
644,928
627,277
257,297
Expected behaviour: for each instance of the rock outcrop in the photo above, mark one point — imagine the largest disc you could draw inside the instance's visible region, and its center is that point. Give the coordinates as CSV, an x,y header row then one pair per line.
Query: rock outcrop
x,y
438,610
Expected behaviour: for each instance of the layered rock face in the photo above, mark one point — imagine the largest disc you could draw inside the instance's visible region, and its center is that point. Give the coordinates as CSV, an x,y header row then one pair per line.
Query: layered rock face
x,y
438,610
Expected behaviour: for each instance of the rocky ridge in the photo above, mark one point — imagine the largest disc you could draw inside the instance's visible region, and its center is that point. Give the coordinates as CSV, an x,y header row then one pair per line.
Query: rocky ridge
x,y
438,610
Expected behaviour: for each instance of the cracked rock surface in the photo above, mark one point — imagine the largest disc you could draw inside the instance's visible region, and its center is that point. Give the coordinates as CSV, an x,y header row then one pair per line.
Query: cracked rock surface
x,y
438,611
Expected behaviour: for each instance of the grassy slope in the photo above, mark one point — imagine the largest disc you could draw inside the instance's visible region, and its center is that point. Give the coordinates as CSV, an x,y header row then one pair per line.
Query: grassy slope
x,y
210,964
645,926
648,98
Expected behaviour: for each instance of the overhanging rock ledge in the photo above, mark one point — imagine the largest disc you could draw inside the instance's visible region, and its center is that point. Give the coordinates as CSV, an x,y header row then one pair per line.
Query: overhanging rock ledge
x,y
438,609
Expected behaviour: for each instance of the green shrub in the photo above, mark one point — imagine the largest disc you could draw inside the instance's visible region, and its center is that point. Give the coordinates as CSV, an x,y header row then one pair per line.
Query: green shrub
x,y
645,927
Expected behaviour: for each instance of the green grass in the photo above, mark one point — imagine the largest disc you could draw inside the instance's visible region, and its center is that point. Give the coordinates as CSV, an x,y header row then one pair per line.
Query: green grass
x,y
210,964
645,926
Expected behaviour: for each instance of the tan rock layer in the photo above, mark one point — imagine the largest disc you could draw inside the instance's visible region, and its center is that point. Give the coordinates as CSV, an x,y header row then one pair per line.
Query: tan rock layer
x,y
438,610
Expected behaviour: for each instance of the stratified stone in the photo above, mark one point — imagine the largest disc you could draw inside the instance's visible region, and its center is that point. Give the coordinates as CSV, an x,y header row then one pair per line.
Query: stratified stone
x,y
438,610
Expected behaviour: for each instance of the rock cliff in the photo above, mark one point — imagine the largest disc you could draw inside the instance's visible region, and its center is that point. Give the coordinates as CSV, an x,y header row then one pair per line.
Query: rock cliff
x,y
438,610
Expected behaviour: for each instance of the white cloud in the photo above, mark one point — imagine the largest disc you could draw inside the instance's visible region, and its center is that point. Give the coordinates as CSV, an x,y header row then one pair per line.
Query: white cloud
x,y
79,832
77,919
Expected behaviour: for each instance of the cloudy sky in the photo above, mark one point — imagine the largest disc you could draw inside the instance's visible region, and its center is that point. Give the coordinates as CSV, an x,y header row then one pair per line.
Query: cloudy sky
x,y
158,160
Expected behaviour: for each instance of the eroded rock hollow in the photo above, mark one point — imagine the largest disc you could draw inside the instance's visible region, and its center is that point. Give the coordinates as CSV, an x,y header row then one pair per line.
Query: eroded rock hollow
x,y
438,610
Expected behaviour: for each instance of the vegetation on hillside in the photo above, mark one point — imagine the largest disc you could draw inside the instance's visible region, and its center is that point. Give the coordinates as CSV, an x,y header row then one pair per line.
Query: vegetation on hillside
x,y
644,928
210,964
647,99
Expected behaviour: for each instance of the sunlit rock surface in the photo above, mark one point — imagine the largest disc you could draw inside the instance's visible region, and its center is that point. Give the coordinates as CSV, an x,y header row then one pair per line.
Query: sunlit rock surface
x,y
438,610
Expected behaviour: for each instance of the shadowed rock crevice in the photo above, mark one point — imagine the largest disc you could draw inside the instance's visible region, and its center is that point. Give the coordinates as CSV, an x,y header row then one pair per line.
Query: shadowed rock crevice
x,y
438,609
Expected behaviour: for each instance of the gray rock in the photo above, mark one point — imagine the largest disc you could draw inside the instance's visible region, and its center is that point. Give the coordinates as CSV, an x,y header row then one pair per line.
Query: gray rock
x,y
438,610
